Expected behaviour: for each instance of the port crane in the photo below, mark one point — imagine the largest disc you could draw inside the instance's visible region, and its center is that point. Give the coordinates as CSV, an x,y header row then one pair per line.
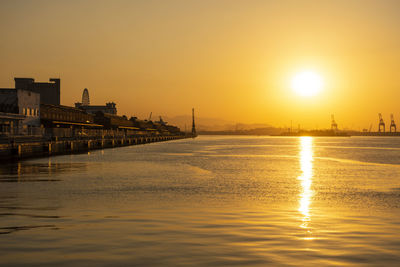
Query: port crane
x,y
161,121
334,126
392,123
381,123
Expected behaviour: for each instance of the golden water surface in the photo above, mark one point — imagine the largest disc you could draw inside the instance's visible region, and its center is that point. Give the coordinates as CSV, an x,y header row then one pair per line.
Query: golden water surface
x,y
210,201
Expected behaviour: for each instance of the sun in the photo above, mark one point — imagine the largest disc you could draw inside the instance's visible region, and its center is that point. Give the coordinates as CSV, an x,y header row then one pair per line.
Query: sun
x,y
307,83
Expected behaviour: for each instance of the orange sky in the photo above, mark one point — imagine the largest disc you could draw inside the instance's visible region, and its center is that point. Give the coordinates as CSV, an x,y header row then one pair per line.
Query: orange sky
x,y
232,60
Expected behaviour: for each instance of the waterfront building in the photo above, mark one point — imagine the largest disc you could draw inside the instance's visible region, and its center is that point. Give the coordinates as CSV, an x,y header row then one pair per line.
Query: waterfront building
x,y
64,121
24,103
108,108
111,121
49,91
173,129
63,115
163,128
10,123
144,125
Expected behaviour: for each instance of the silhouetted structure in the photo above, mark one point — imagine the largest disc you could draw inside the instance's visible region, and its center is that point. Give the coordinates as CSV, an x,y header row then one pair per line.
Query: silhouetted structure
x,y
381,123
392,124
193,124
108,108
85,97
49,92
334,126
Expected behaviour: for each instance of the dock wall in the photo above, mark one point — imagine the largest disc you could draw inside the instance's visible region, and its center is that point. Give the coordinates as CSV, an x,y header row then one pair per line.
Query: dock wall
x,y
29,149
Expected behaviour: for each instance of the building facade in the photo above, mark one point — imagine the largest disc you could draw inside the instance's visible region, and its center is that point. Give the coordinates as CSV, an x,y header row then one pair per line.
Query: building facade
x,y
10,123
57,114
49,92
22,102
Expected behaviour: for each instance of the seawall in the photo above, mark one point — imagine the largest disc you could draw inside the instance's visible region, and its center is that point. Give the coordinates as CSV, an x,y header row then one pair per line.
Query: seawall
x,y
36,148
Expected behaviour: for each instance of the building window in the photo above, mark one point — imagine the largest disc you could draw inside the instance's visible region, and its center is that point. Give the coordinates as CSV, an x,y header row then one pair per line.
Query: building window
x,y
30,112
24,111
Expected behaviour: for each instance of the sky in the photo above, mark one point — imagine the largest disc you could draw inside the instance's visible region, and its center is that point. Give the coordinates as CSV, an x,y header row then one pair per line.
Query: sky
x,y
231,60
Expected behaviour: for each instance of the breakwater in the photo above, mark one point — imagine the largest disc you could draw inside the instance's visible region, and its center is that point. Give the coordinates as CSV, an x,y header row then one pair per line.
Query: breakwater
x,y
376,133
21,149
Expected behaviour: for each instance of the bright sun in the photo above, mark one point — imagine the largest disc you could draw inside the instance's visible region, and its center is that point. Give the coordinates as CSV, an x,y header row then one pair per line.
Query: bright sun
x,y
307,83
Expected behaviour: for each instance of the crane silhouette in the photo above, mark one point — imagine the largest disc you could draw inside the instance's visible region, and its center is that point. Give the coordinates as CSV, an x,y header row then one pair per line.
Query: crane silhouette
x,y
381,123
392,123
334,126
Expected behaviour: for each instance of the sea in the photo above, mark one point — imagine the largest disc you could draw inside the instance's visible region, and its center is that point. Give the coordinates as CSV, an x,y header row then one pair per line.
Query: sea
x,y
208,201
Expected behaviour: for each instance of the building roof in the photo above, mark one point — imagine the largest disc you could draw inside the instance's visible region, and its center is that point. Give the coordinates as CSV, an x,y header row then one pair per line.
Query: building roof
x,y
129,128
75,123
61,107
11,116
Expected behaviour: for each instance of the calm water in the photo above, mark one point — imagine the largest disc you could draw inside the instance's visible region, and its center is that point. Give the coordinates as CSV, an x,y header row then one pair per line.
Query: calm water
x,y
209,201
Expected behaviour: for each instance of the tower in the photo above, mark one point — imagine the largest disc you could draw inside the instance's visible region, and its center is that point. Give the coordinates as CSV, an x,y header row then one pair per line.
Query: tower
x,y
85,97
193,125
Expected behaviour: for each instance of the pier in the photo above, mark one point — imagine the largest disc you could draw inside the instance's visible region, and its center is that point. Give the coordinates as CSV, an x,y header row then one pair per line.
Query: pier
x,y
22,148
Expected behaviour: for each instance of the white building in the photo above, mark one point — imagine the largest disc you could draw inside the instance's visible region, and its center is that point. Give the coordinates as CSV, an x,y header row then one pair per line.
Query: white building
x,y
22,102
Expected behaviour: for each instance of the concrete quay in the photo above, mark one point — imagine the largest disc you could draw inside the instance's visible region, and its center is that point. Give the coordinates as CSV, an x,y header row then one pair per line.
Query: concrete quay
x,y
40,148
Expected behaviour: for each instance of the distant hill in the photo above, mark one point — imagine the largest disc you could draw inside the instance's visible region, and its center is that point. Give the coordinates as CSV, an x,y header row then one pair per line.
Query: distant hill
x,y
214,125
201,123
255,131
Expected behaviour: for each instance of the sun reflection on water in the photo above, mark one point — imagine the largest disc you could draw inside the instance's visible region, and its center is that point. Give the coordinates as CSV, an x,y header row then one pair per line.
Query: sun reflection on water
x,y
306,165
